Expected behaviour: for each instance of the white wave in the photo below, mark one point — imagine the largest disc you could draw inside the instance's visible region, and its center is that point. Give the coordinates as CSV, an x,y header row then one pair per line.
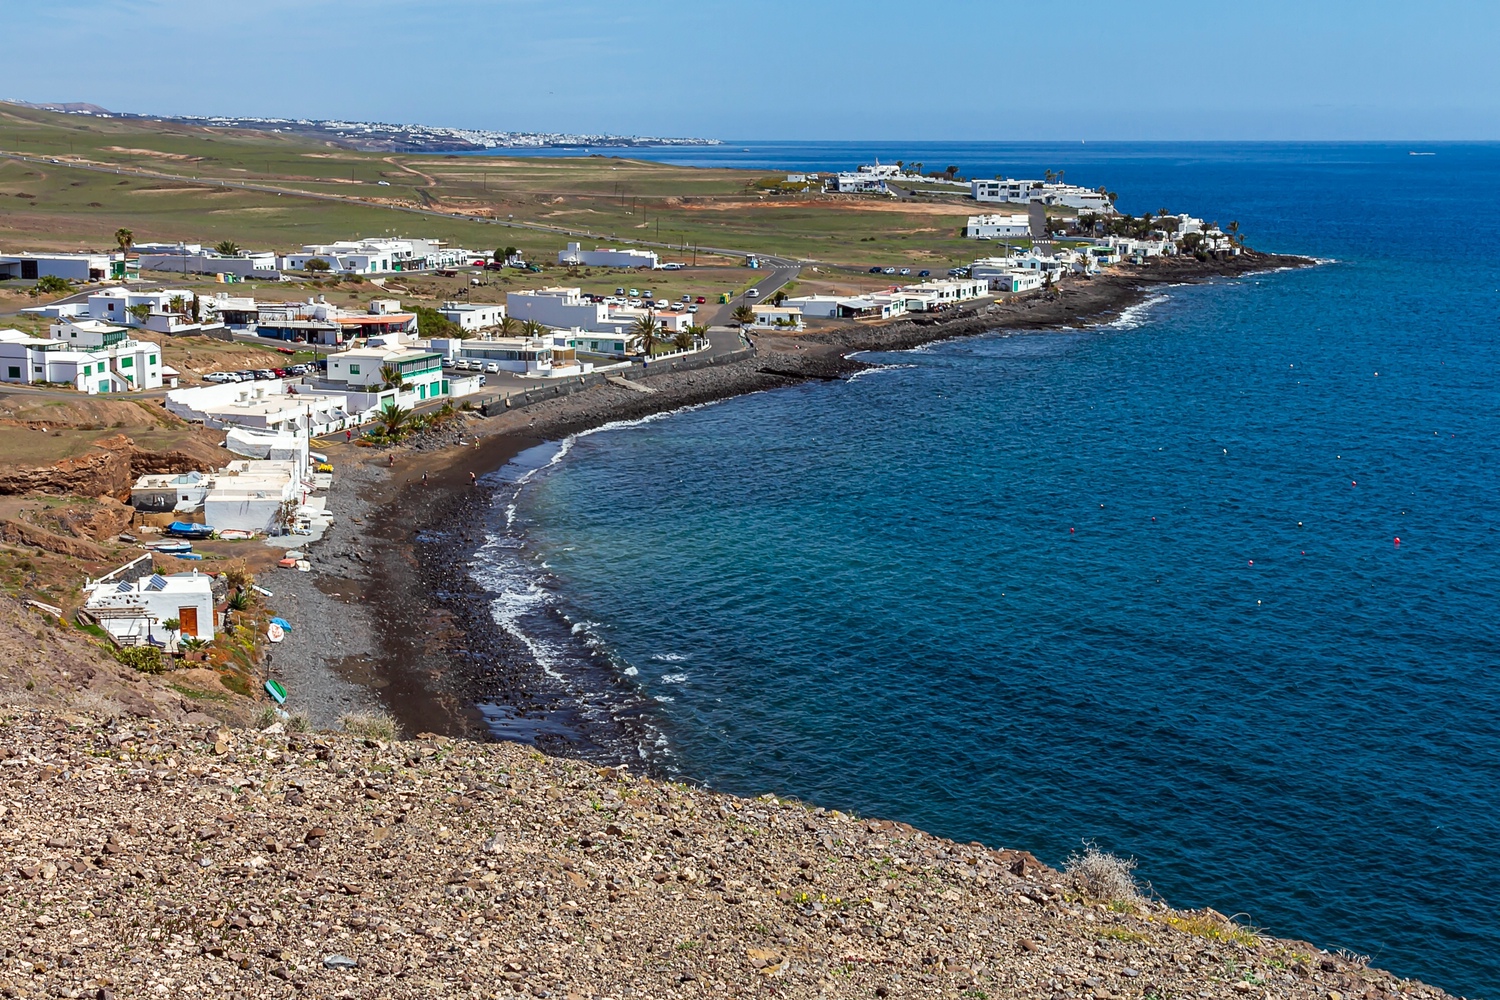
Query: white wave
x,y
631,671
1134,317
674,678
669,657
875,370
664,698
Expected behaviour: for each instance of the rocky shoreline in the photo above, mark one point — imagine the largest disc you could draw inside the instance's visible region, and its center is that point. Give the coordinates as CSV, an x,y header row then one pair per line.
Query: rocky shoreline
x,y
414,633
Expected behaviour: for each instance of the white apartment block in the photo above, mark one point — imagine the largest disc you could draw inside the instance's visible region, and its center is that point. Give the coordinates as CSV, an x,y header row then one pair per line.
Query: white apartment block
x,y
473,316
70,266
377,256
608,257
998,227
1023,192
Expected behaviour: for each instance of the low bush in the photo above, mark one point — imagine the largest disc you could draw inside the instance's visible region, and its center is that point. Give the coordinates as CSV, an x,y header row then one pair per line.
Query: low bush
x,y
146,659
1103,876
371,725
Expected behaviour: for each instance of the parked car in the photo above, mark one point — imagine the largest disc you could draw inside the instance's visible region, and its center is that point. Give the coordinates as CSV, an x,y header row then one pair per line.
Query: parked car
x,y
924,273
692,308
635,293
687,298
619,291
875,270
906,270
700,300
492,367
888,270
219,377
648,294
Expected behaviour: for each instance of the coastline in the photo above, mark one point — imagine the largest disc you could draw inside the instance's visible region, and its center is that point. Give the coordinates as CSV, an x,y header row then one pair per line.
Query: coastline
x,y
412,632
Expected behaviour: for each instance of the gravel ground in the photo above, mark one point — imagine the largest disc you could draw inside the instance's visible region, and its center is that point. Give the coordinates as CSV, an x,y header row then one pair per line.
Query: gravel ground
x,y
319,660
147,859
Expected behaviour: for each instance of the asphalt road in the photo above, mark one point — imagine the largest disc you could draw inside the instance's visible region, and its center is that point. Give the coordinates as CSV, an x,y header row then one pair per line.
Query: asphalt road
x,y
775,272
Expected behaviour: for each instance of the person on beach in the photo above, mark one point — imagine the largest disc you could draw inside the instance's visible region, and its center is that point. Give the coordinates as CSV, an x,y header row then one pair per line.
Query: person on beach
x,y
392,457
473,479
348,435
424,477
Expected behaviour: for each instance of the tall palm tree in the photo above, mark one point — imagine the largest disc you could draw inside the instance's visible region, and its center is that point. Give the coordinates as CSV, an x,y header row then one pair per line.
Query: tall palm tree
x,y
533,328
124,239
391,377
697,332
649,330
744,315
509,327
1234,231
178,304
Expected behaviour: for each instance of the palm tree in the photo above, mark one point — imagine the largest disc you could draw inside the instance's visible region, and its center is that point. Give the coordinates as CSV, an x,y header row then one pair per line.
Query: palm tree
x,y
124,239
178,304
778,298
393,419
683,339
533,328
697,332
509,327
1234,231
649,330
391,377
744,315
227,248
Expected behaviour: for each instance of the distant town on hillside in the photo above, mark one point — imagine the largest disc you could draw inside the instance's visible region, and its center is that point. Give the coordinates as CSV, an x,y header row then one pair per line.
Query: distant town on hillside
x,y
386,137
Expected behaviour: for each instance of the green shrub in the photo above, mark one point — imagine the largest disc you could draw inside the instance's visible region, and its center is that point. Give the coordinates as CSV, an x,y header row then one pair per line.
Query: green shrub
x,y
146,659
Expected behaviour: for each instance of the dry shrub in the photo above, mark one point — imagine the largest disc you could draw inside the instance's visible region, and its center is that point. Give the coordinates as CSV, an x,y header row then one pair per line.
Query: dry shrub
x,y
371,725
1103,876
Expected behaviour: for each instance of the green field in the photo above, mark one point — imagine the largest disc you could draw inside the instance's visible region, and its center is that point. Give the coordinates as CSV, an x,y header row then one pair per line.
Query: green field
x,y
172,189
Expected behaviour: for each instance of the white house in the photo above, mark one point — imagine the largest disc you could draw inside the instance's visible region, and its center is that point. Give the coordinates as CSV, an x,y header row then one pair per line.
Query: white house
x,y
133,611
363,370
274,405
473,316
883,305
169,492
783,317
252,495
1046,192
194,258
91,357
992,227
942,293
551,356
859,183
608,257
316,321
70,266
376,256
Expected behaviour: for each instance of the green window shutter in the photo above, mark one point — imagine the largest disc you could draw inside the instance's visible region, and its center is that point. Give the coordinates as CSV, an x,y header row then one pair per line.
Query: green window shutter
x,y
354,369
127,362
15,372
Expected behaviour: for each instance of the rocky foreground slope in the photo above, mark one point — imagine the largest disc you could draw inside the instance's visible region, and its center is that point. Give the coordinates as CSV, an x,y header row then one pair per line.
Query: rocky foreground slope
x,y
151,859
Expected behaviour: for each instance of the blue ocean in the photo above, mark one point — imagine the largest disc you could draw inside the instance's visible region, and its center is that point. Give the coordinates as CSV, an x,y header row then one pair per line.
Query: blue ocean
x,y
1138,584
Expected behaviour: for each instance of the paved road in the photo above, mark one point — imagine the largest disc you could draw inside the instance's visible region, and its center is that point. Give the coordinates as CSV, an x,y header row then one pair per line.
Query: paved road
x,y
775,272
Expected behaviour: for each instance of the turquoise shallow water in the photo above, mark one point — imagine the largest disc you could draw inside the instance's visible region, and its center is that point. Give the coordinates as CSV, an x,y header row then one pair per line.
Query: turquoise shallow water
x,y
1136,584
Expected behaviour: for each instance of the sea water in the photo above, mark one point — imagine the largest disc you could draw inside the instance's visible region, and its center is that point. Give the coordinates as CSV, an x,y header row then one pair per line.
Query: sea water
x,y
1137,584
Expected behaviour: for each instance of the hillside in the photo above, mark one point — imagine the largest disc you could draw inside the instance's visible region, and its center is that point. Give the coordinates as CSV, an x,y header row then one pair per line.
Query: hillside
x,y
84,177
157,859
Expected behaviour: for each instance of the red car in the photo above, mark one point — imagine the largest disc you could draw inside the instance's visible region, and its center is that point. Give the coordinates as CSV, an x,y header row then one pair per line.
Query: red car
x,y
700,300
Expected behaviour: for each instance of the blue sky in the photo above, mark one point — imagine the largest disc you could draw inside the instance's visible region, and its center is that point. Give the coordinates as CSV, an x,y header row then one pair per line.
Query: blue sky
x,y
966,69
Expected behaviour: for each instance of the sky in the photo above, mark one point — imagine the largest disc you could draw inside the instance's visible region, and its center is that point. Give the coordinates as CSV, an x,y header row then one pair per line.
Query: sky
x,y
819,69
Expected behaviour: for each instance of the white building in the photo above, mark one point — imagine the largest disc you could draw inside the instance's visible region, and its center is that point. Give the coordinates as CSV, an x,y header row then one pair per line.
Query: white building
x,y
252,495
364,369
316,321
997,227
169,492
473,316
1022,192
167,311
881,305
91,357
551,356
194,258
942,293
70,266
273,405
608,257
786,318
133,611
859,183
377,256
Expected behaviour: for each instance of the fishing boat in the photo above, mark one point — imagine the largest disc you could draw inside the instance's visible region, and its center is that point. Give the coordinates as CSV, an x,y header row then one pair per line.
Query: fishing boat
x,y
186,529
171,548
236,534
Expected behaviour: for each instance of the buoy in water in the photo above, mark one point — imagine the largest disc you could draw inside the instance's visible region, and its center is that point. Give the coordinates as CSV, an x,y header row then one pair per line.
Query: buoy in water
x,y
1071,530
1398,542
1252,562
